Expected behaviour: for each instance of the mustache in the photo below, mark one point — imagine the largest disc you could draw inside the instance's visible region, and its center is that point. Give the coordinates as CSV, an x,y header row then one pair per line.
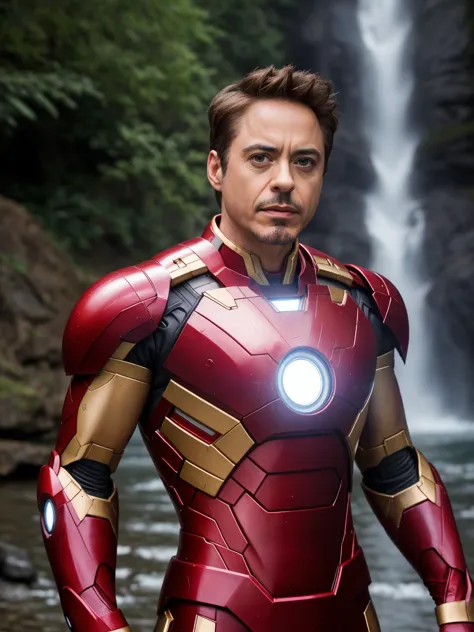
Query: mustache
x,y
281,199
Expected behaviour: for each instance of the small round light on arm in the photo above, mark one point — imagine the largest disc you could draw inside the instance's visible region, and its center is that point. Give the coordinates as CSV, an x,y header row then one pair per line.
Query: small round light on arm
x,y
49,516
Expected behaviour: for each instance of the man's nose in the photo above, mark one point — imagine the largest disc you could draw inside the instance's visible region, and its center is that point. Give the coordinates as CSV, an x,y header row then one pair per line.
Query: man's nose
x,y
283,179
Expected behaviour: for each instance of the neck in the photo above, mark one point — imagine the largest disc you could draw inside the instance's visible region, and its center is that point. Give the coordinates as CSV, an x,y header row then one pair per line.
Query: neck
x,y
245,259
272,257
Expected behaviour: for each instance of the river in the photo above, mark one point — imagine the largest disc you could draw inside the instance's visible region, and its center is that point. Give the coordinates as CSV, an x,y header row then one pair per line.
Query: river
x,y
149,533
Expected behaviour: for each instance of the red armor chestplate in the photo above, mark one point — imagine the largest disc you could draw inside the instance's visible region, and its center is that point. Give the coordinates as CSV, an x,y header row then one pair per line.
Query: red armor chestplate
x,y
262,491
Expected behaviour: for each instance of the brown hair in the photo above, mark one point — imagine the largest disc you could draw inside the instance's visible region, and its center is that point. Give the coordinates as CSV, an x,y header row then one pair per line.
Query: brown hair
x,y
271,83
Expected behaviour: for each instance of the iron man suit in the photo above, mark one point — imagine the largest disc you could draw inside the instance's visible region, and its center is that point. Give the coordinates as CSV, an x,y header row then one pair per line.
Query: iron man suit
x,y
254,394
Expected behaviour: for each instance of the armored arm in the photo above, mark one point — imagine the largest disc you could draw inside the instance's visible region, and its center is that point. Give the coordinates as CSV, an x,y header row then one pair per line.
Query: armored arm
x,y
404,490
77,499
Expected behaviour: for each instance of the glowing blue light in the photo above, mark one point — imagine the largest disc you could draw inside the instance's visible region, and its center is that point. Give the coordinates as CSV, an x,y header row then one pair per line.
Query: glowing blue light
x,y
287,304
304,381
49,516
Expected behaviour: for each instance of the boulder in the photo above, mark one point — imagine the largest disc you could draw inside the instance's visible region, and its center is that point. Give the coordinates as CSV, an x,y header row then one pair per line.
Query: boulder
x,y
15,565
22,458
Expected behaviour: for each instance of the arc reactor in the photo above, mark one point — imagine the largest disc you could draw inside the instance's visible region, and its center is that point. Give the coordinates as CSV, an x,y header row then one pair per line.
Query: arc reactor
x,y
304,380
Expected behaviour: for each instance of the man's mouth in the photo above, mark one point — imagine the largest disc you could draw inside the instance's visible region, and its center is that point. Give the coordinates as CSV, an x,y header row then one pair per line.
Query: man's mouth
x,y
280,211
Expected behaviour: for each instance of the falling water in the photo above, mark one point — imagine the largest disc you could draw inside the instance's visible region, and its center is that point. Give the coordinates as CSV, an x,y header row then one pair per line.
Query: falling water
x,y
394,220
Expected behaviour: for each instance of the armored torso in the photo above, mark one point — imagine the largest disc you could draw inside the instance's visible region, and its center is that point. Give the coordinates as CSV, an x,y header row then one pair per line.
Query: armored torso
x,y
261,483
252,392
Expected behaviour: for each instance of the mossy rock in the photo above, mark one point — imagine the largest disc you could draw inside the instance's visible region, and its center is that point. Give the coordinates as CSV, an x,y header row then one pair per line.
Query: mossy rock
x,y
21,407
24,396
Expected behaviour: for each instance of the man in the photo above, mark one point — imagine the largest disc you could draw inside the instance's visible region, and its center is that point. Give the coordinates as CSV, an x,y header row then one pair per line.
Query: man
x,y
258,369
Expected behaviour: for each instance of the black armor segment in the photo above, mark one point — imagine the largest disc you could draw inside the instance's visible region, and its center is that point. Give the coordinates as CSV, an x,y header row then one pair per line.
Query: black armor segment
x,y
153,350
92,476
394,473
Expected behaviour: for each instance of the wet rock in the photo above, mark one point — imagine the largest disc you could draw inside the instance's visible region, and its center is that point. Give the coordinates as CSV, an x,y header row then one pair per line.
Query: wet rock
x,y
22,458
15,565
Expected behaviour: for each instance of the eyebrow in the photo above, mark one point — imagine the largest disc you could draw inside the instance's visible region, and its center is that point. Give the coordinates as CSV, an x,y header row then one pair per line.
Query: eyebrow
x,y
309,151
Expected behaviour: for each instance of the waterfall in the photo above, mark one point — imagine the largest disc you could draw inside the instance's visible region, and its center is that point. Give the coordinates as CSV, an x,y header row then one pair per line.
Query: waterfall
x,y
394,220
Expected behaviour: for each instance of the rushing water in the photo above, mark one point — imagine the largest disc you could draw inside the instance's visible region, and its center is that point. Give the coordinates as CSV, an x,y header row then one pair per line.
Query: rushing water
x,y
394,220
149,532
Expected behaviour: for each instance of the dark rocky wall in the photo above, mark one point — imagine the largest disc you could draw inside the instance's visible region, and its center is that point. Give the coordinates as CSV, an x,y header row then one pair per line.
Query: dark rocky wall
x,y
38,288
444,67
327,41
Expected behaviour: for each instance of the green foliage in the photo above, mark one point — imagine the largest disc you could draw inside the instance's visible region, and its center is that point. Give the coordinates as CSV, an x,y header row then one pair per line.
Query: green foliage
x,y
103,126
13,262
24,93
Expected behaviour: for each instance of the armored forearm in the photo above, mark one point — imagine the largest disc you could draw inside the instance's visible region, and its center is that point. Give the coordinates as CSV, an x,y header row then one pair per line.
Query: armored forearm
x,y
410,500
80,534
77,499
420,521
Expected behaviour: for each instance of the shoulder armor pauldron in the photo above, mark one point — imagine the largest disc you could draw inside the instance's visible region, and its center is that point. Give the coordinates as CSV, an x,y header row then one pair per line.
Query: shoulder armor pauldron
x,y
182,264
124,306
330,268
389,303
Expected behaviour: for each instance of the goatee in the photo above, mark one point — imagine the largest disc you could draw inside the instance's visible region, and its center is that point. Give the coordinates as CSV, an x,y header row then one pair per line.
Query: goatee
x,y
279,236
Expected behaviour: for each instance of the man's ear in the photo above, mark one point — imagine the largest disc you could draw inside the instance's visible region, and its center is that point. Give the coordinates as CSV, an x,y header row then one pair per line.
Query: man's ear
x,y
214,170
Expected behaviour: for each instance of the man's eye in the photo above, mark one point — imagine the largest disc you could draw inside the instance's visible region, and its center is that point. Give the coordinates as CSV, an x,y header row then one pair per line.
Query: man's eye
x,y
259,159
306,162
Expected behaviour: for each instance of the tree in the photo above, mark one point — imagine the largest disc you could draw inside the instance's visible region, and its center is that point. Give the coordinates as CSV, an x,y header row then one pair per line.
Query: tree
x,y
103,129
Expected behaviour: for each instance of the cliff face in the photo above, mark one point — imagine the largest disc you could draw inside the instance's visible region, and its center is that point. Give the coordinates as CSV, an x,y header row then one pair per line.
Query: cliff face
x,y
445,167
38,287
327,41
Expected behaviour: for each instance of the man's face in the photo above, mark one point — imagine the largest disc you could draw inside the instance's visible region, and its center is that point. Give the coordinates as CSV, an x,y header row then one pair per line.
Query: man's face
x,y
276,160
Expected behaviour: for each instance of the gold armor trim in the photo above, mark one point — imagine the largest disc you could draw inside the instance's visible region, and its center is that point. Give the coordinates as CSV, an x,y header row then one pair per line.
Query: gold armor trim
x,y
291,265
371,618
201,624
184,268
164,622
338,294
331,270
235,443
252,262
85,505
371,457
455,612
125,369
392,507
358,426
108,414
122,351
207,465
197,451
125,629
198,408
201,479
385,361
221,296
386,429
